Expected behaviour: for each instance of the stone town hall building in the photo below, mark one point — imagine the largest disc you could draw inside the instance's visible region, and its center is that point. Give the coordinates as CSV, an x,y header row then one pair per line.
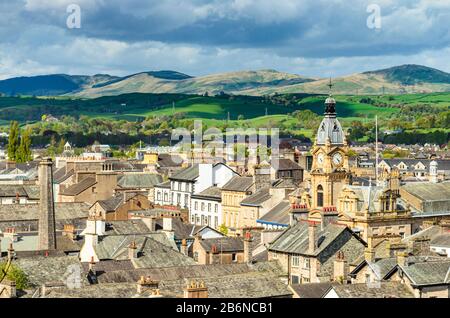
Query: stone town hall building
x,y
367,210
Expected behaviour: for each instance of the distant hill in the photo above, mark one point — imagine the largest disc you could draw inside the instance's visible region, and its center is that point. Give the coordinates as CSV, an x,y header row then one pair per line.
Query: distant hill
x,y
411,74
164,75
395,80
47,85
173,82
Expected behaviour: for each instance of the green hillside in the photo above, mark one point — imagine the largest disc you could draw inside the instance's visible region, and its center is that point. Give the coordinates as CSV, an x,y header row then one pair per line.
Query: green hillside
x,y
136,106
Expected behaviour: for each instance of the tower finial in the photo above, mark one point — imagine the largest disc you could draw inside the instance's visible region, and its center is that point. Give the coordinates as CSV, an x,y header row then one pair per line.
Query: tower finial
x,y
330,85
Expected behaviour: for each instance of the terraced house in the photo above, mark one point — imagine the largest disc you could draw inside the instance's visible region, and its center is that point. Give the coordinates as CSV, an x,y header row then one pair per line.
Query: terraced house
x,y
192,180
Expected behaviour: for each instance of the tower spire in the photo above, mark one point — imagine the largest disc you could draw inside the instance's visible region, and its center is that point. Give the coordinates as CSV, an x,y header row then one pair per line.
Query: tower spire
x,y
330,103
330,85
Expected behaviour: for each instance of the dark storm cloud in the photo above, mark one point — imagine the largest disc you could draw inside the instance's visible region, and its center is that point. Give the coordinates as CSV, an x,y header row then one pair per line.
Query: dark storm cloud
x,y
197,36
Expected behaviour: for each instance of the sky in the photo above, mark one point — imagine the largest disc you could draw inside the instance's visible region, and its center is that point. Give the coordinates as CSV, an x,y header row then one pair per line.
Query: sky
x,y
314,38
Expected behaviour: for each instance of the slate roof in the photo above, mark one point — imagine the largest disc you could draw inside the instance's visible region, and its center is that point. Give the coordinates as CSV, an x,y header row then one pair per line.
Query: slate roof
x,y
113,203
238,183
128,227
432,272
385,290
427,191
257,198
188,271
224,244
442,240
27,212
42,269
311,290
12,190
188,174
79,187
61,174
253,285
168,160
284,184
180,229
278,215
443,164
287,164
214,193
330,240
295,239
154,250
139,180
380,267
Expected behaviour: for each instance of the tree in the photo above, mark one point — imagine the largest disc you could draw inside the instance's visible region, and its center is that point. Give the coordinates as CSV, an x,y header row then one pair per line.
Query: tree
x,y
13,140
15,274
223,229
24,151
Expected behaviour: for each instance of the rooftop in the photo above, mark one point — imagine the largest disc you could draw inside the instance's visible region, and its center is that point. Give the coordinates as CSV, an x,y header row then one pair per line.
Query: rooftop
x,y
238,183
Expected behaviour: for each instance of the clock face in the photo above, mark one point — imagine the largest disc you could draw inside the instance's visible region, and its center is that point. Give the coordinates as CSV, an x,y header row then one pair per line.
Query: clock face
x,y
320,158
337,159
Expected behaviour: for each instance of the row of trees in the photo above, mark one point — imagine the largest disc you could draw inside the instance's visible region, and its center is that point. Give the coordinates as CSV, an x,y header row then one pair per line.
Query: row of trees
x,y
19,143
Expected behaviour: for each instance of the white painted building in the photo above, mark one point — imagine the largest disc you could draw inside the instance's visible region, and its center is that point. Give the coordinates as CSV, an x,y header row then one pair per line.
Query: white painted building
x,y
206,208
163,194
193,180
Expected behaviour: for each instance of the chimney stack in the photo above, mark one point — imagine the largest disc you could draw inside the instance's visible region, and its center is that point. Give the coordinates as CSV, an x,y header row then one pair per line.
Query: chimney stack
x,y
47,227
312,242
10,252
340,270
69,232
184,247
196,290
329,215
92,266
145,284
132,251
247,247
369,252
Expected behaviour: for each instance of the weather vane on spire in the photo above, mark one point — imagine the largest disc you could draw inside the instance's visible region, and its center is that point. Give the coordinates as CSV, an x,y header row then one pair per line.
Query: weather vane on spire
x,y
330,85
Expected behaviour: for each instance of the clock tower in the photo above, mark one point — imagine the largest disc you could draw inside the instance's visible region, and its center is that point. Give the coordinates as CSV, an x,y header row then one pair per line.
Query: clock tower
x,y
330,168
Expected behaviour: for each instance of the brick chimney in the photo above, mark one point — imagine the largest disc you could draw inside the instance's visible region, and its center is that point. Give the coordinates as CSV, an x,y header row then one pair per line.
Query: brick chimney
x,y
70,232
92,267
196,290
298,212
132,251
145,284
184,247
340,268
11,234
92,273
247,247
329,215
312,242
47,227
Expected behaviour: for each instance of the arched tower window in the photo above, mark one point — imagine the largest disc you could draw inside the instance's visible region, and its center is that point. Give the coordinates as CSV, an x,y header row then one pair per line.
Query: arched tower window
x,y
320,196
